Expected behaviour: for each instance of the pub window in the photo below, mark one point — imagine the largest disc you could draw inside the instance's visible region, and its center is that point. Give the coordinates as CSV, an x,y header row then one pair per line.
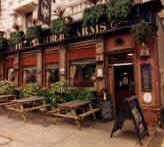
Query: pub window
x,y
30,75
83,74
52,73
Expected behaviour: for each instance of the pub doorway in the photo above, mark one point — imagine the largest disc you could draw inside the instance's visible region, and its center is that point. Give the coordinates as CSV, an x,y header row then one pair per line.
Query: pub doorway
x,y
123,82
121,79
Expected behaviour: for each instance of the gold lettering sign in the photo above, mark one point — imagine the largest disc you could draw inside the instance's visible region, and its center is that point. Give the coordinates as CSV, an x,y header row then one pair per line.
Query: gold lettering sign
x,y
90,30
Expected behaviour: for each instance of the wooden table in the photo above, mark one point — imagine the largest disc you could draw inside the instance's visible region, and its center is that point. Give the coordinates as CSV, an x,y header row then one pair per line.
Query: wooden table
x,y
28,104
76,110
6,99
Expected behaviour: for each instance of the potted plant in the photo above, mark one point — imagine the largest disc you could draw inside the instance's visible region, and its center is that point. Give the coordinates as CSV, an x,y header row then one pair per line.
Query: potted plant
x,y
143,33
93,15
16,37
118,11
34,32
59,25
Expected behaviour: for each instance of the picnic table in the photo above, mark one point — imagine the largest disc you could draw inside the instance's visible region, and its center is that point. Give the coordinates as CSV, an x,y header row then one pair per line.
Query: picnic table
x,y
76,110
28,104
6,99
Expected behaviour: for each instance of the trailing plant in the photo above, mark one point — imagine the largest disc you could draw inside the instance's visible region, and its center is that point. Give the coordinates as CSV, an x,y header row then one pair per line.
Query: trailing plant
x,y
30,89
7,87
59,26
118,9
34,32
93,15
143,32
16,37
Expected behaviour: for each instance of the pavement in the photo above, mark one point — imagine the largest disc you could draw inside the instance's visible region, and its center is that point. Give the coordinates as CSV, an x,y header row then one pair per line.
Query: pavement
x,y
40,131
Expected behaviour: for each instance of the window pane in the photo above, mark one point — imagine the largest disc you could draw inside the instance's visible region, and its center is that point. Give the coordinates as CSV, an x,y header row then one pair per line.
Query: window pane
x,y
84,75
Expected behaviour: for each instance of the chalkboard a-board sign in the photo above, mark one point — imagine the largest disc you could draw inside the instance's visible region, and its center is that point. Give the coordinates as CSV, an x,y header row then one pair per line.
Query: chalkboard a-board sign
x,y
135,114
138,117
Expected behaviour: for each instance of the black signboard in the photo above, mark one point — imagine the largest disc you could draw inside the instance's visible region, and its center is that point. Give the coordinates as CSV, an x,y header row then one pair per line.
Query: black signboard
x,y
135,114
146,77
44,11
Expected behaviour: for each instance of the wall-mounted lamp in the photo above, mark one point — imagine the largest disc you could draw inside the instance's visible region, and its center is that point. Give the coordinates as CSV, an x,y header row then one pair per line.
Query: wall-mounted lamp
x,y
99,73
62,71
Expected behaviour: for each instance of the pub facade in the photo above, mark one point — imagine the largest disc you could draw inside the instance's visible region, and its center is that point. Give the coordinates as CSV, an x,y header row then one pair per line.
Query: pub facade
x,y
103,57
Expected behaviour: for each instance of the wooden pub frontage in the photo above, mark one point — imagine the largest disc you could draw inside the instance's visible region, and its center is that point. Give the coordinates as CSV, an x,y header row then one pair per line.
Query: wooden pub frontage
x,y
101,57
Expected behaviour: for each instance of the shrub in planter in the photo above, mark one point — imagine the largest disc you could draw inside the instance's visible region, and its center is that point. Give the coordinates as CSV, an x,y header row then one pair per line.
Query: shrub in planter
x,y
7,87
93,15
30,89
34,32
118,10
143,32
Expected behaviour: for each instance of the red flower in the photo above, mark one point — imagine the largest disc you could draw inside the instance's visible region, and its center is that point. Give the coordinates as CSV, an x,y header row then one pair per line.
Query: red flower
x,y
16,27
59,12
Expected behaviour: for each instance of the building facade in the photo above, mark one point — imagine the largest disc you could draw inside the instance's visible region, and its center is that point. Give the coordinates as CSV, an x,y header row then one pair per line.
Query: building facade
x,y
102,57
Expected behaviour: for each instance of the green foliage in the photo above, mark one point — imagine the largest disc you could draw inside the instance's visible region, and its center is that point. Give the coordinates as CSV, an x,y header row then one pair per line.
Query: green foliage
x,y
59,26
7,87
34,32
51,99
86,95
142,32
92,16
118,9
3,43
15,37
59,87
30,89
81,94
60,91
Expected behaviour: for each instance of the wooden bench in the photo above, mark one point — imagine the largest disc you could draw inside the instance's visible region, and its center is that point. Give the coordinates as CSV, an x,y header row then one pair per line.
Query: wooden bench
x,y
7,99
69,111
86,114
28,104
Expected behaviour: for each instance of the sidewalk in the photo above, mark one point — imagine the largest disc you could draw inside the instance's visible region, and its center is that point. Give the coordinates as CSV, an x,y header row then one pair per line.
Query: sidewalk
x,y
158,139
40,131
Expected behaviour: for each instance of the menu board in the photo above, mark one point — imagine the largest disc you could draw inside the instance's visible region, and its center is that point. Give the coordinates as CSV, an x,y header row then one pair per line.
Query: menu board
x,y
138,117
135,114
